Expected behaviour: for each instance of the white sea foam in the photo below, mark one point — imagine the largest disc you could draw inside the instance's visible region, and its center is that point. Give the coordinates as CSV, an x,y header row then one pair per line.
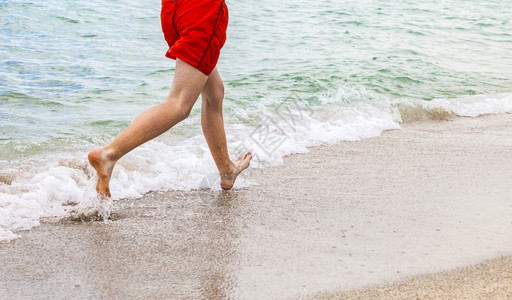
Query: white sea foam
x,y
62,186
474,106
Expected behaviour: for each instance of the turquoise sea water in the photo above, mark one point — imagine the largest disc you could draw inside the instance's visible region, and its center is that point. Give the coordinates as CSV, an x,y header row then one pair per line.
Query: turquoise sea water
x,y
74,73
79,71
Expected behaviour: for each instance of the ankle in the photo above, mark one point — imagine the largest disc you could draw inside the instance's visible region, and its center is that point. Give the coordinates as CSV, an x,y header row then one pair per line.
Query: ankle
x,y
109,153
227,169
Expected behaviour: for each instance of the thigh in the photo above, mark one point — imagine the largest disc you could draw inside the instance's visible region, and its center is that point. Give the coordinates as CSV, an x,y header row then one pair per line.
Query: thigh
x,y
187,84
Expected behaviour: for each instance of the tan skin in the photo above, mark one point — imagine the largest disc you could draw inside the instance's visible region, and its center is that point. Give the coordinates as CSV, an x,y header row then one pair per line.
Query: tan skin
x,y
187,85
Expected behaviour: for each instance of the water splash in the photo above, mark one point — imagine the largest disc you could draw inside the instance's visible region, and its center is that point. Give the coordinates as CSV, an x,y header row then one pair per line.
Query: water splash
x,y
93,207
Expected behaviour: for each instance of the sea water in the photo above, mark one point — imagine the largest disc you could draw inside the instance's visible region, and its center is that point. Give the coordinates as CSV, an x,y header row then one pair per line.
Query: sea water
x,y
74,74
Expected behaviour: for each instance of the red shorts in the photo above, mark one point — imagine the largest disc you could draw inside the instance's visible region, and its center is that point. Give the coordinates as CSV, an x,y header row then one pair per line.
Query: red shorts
x,y
195,31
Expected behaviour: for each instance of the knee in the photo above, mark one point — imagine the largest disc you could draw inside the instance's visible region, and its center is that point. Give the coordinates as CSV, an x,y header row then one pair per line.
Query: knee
x,y
184,111
220,93
214,100
181,108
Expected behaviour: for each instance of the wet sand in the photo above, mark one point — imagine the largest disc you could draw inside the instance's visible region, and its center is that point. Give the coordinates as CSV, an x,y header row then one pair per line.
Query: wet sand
x,y
426,199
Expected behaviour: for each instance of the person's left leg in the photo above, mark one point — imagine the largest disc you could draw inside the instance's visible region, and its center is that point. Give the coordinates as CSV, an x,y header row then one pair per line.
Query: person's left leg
x,y
213,128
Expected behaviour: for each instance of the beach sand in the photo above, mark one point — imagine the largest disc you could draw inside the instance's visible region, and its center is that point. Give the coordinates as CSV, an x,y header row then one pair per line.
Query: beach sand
x,y
489,280
427,199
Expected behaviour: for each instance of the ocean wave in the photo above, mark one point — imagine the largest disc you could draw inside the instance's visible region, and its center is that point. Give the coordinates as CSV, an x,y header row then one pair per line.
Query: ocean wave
x,y
61,185
445,109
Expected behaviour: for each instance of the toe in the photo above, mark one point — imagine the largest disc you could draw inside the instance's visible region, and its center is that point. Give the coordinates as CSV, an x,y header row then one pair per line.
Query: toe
x,y
245,156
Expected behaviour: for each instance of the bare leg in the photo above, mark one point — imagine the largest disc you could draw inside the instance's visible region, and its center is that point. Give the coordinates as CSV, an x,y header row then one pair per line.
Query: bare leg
x,y
213,129
186,87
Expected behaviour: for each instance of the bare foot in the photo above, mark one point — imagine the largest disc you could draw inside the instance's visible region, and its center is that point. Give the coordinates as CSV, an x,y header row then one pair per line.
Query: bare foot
x,y
228,178
103,166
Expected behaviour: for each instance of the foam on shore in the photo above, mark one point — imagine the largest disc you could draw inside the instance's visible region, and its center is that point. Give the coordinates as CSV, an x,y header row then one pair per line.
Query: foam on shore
x,y
51,184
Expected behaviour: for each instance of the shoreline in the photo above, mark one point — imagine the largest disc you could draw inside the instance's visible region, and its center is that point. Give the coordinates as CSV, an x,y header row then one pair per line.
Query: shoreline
x,y
425,199
491,279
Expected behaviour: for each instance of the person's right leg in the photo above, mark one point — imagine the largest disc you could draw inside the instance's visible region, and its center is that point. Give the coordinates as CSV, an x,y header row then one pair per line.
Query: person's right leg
x,y
187,84
213,129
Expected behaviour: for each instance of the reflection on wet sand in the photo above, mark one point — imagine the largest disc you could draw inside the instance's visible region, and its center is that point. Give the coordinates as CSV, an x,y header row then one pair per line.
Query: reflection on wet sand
x,y
196,258
177,245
